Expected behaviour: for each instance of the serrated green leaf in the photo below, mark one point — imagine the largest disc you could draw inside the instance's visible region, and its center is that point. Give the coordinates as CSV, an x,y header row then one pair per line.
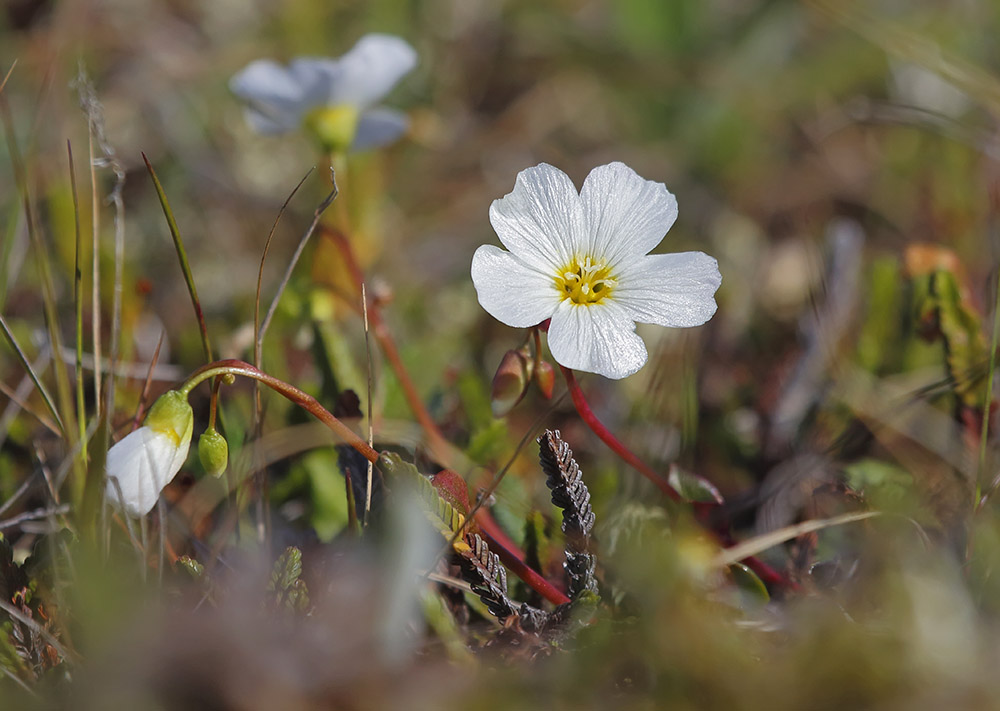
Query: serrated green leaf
x,y
966,348
286,570
448,521
289,590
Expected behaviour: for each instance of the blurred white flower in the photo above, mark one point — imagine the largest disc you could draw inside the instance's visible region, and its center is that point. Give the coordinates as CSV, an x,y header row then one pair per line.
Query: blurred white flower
x,y
147,459
580,259
333,98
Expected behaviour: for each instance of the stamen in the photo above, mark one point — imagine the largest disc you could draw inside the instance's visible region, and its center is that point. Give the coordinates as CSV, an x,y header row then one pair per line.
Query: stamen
x,y
585,281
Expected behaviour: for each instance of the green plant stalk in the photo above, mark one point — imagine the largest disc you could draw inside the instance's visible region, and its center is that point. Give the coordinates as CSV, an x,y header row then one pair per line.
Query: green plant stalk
x,y
988,400
78,303
258,336
31,374
63,390
95,269
182,256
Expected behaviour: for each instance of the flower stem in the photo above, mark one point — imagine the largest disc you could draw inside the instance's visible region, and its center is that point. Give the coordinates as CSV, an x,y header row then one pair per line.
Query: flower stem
x,y
762,569
385,340
439,447
311,405
292,393
539,584
616,445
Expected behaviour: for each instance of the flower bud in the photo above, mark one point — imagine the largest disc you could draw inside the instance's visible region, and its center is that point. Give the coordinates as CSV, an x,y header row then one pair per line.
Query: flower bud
x,y
545,378
213,451
141,464
511,381
171,415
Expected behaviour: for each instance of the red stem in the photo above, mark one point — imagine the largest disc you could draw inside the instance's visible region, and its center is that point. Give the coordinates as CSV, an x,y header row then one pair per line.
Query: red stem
x,y
542,586
388,345
762,569
616,445
300,398
489,525
435,440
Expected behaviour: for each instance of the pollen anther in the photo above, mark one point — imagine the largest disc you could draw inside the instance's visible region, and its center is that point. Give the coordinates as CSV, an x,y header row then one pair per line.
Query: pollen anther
x,y
584,281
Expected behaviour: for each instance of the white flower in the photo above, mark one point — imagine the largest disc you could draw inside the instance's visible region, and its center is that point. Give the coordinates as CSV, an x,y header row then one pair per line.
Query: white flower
x,y
581,260
331,97
147,459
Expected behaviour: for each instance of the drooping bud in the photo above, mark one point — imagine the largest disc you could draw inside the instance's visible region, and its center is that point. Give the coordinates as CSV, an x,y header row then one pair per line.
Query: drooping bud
x,y
511,381
545,378
140,465
213,451
172,415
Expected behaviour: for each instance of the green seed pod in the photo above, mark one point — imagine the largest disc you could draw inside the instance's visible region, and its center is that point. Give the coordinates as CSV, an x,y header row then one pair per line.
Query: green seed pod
x,y
213,451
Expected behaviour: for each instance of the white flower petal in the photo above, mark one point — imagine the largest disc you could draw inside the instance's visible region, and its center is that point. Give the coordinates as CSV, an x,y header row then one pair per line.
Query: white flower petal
x,y
511,291
317,77
370,69
142,464
276,98
271,124
379,127
542,217
626,214
599,338
675,290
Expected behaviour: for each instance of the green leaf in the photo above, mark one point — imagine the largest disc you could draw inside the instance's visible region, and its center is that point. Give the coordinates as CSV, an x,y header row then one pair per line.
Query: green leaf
x,y
286,570
693,489
289,591
752,589
448,521
965,346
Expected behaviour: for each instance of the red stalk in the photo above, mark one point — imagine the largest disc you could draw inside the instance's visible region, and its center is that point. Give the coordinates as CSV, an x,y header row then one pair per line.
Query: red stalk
x,y
539,584
616,445
762,569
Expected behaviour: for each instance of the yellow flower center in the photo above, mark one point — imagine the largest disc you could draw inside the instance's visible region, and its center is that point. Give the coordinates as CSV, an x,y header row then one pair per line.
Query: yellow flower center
x,y
584,281
334,126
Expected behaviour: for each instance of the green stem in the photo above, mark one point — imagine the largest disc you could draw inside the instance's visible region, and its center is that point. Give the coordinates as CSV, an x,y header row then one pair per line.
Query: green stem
x,y
46,398
182,257
988,400
78,303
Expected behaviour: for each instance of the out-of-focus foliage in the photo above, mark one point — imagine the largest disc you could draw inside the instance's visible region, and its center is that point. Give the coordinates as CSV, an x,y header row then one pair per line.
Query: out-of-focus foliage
x,y
838,158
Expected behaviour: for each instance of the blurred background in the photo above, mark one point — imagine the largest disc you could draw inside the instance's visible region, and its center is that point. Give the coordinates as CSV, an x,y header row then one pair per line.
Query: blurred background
x,y
836,157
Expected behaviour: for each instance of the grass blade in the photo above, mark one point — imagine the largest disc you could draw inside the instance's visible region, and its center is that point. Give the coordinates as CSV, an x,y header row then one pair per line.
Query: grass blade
x,y
31,373
78,302
753,546
182,257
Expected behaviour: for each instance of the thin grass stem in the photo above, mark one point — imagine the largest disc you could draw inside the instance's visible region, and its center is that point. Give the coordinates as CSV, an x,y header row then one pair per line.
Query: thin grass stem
x,y
9,335
78,304
175,234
